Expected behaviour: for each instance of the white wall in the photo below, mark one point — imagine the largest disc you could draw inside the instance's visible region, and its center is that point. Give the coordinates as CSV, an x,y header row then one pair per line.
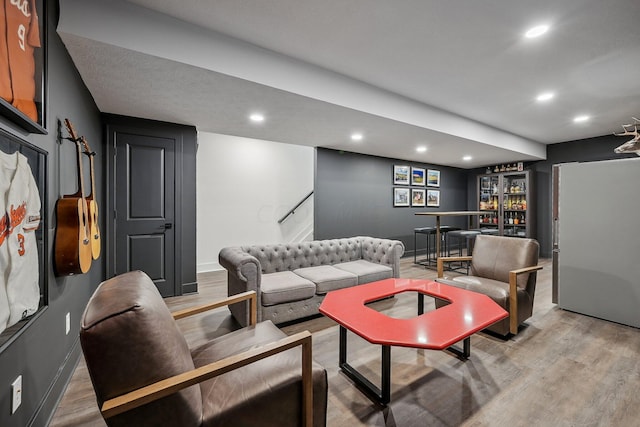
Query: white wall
x,y
244,186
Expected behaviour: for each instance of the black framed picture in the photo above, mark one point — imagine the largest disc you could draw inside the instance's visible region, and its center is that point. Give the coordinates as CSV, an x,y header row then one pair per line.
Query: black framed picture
x,y
418,176
23,62
418,197
433,178
433,198
401,197
401,174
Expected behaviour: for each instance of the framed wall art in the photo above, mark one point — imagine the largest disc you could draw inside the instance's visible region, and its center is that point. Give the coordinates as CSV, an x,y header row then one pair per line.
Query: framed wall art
x,y
401,175
418,197
433,178
401,197
433,198
417,176
23,62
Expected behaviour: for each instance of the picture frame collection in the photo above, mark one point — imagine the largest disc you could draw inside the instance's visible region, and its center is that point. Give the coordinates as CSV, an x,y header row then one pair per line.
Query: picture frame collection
x,y
411,177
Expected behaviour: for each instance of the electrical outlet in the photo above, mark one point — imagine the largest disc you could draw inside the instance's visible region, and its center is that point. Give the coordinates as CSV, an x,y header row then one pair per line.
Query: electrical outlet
x,y
67,323
16,392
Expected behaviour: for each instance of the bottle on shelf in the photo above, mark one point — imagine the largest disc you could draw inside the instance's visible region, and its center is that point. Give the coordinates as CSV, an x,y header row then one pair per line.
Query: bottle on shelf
x,y
510,218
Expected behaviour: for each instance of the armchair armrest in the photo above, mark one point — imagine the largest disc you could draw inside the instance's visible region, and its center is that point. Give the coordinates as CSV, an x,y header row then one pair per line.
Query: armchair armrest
x,y
513,295
176,383
249,295
441,260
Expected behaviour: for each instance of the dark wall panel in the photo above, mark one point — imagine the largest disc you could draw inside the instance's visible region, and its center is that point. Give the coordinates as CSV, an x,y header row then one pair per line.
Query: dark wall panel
x,y
354,196
42,353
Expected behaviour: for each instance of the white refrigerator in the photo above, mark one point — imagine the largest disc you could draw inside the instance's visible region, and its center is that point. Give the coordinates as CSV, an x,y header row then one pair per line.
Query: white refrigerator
x,y
596,239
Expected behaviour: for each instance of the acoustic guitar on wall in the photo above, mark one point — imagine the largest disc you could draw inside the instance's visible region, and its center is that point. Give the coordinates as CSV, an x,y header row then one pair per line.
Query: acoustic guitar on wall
x,y
92,205
72,243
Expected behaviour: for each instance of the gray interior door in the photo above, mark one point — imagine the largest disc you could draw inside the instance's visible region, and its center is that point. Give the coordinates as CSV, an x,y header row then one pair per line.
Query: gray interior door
x,y
145,208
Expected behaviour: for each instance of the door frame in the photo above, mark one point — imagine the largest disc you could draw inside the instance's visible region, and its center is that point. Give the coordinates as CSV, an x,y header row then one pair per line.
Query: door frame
x,y
143,128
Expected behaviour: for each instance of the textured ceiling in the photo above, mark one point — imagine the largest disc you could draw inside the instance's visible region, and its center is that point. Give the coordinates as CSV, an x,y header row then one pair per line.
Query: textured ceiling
x,y
457,77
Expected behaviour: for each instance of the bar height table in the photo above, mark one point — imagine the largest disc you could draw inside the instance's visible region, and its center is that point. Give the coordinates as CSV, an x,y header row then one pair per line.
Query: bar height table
x,y
438,214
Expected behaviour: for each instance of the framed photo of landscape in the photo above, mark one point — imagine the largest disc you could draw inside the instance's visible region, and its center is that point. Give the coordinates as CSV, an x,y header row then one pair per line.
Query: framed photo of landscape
x,y
433,198
418,176
433,178
22,86
401,197
401,174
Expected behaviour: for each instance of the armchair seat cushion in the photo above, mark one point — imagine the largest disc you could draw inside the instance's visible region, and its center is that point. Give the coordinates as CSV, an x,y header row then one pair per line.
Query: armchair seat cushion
x,y
285,286
366,271
327,278
234,398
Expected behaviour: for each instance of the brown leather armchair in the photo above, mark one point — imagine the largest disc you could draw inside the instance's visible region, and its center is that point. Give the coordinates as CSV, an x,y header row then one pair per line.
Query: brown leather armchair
x,y
144,374
503,268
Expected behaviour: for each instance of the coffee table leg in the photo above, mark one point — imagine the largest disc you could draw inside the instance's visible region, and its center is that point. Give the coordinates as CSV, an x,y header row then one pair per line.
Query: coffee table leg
x,y
466,349
376,394
420,304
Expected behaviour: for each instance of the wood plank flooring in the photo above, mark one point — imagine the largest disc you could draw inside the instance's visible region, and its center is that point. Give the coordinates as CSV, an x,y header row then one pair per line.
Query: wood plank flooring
x,y
562,369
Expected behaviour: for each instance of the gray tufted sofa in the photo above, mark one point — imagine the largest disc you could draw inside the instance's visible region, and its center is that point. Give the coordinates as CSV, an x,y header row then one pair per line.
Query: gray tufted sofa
x,y
292,279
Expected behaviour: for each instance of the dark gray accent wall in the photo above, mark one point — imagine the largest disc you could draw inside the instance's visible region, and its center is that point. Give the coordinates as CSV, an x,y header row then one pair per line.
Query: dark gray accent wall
x,y
41,352
354,196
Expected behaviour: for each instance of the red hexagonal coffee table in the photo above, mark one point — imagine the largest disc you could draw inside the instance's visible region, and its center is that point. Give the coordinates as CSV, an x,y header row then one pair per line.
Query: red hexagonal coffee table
x,y
467,313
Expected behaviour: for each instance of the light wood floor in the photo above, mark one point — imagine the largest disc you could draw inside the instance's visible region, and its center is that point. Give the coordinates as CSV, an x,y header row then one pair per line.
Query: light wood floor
x,y
562,369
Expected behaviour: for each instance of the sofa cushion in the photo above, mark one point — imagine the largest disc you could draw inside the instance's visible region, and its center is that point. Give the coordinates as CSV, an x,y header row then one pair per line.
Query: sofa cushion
x,y
366,271
327,278
285,286
262,392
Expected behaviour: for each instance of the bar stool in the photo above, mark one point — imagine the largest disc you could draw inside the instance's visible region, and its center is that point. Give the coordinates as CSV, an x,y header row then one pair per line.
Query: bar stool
x,y
428,232
469,237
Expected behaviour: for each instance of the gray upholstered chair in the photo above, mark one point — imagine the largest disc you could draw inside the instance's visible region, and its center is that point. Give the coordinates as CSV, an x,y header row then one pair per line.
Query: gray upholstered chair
x,y
144,374
505,269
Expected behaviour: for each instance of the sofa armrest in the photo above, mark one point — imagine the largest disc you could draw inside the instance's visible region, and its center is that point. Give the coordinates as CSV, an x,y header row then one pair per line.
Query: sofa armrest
x,y
382,251
241,265
176,383
244,273
249,295
513,295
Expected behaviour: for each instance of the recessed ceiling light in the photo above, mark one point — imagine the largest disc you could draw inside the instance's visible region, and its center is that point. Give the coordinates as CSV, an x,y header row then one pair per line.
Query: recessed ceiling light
x,y
580,119
467,158
421,149
256,117
356,137
536,31
546,96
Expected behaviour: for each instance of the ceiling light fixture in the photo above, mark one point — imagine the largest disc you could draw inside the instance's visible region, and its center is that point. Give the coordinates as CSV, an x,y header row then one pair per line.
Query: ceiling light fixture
x,y
536,31
356,137
546,96
580,119
467,158
421,149
256,117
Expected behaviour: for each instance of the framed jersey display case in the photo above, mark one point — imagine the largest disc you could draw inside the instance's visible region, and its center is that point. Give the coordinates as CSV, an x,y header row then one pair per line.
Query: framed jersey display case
x,y
23,63
23,237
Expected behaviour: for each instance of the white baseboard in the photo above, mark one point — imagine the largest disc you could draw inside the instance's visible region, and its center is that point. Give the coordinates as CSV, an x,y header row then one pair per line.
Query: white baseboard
x,y
208,266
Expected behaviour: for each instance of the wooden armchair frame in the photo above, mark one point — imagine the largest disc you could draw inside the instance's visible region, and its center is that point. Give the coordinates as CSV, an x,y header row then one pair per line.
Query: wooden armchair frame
x,y
513,292
176,383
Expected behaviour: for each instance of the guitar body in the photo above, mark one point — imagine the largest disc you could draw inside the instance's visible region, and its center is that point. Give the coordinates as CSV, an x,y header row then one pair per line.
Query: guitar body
x,y
94,230
72,251
72,244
